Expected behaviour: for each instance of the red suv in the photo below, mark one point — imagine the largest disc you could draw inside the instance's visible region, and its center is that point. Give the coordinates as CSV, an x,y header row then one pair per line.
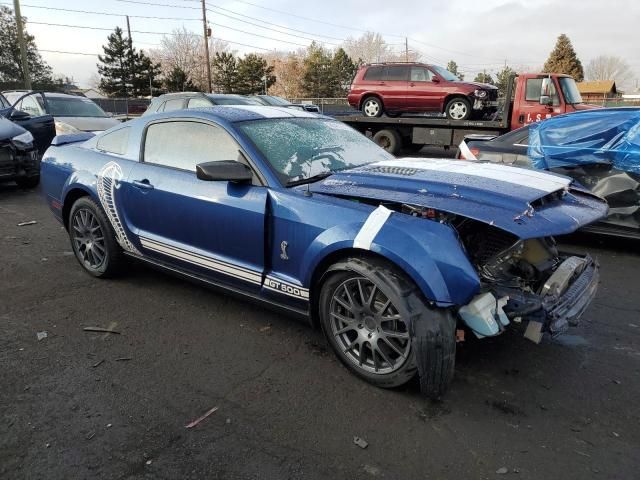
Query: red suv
x,y
395,88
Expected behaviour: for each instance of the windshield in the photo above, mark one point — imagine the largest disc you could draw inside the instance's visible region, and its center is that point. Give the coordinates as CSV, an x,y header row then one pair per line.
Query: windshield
x,y
570,90
444,73
271,100
232,100
73,107
299,148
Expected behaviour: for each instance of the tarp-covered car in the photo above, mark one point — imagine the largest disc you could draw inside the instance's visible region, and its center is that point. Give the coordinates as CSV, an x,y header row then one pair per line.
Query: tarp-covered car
x,y
600,149
305,214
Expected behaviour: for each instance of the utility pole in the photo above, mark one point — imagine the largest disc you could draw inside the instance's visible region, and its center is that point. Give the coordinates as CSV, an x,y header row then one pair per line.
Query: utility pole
x,y
406,49
206,44
23,46
132,67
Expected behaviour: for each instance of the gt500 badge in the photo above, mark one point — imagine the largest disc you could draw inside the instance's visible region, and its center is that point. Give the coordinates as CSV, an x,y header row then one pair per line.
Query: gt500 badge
x,y
286,288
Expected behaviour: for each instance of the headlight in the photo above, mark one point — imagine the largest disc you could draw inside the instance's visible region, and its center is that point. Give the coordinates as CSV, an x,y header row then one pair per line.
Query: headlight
x,y
23,140
480,93
62,128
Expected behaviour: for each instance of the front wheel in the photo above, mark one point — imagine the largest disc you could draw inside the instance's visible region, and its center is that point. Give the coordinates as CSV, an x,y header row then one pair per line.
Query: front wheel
x,y
458,109
377,323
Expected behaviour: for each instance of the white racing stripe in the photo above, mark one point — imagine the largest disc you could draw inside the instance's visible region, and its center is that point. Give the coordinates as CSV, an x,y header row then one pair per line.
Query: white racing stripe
x,y
518,176
371,227
202,261
465,152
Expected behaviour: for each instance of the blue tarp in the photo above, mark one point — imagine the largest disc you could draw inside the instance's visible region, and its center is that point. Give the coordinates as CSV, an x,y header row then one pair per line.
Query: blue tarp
x,y
610,136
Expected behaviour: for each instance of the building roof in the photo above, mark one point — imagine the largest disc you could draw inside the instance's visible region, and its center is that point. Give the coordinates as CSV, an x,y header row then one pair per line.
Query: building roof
x,y
597,86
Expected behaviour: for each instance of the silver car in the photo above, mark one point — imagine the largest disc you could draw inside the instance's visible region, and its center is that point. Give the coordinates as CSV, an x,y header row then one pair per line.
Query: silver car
x,y
71,113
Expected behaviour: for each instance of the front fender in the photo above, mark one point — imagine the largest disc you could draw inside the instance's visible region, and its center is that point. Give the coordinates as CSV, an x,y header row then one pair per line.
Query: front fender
x,y
429,252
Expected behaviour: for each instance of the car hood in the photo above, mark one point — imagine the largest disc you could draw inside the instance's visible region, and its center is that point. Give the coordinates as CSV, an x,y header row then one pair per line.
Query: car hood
x,y
526,203
8,129
89,124
485,86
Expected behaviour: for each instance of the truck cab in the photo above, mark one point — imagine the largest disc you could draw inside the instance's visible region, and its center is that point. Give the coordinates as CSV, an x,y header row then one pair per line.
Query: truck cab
x,y
537,96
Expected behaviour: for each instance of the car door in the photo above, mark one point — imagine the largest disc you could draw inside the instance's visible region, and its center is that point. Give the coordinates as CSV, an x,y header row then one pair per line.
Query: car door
x,y
422,95
395,80
212,228
30,114
531,110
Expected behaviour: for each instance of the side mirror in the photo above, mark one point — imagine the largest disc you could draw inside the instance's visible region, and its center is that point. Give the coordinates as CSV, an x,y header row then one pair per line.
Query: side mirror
x,y
19,115
545,87
546,100
435,79
226,170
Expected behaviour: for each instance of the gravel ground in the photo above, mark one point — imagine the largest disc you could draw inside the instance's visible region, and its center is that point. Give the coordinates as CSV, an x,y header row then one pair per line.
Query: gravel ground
x,y
78,405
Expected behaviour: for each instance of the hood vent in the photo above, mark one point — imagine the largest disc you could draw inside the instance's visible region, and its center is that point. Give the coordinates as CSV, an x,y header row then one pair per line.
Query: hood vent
x,y
405,171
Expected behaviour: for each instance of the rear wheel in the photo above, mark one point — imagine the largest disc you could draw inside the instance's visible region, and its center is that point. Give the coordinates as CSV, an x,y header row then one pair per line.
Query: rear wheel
x,y
389,140
370,314
93,239
458,108
372,107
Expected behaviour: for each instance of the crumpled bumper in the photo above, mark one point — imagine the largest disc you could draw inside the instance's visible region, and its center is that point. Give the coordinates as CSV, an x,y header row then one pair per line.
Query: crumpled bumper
x,y
565,309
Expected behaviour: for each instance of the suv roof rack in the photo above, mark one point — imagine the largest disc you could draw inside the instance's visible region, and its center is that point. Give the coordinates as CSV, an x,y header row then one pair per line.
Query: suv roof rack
x,y
181,93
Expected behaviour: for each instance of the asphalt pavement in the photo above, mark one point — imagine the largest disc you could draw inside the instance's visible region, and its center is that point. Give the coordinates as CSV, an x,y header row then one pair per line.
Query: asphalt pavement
x,y
90,405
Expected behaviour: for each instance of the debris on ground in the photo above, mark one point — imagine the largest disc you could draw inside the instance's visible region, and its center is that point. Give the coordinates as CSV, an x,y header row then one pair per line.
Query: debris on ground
x,y
109,425
582,453
24,224
502,471
123,359
505,407
41,335
615,434
199,419
266,328
98,363
372,470
361,442
100,330
148,462
91,435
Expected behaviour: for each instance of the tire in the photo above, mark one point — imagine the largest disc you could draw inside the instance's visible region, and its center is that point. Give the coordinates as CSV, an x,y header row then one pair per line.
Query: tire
x,y
28,182
458,108
388,139
415,326
94,241
372,107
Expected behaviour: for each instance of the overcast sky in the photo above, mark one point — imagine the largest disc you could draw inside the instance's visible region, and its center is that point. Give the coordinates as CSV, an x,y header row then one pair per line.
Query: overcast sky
x,y
478,35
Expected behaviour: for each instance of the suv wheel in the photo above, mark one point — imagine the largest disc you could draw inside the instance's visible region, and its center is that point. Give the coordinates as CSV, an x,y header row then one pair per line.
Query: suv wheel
x,y
372,107
458,109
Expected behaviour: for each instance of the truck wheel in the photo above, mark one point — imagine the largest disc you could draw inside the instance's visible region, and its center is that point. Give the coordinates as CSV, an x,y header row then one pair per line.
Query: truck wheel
x,y
372,107
28,182
381,329
458,109
389,140
93,240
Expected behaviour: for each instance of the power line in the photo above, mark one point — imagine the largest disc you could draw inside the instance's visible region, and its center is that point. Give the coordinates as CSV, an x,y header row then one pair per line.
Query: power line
x,y
69,53
104,13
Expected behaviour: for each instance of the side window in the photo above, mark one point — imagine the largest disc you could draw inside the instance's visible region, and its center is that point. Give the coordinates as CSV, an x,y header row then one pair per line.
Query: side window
x,y
421,74
31,106
373,73
397,73
175,104
534,88
184,145
115,142
198,102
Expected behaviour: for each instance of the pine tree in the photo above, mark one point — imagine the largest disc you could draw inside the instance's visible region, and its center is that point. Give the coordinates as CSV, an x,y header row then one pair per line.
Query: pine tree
x,y
453,68
178,81
342,71
11,75
145,75
563,59
317,72
484,78
114,68
254,74
502,80
225,72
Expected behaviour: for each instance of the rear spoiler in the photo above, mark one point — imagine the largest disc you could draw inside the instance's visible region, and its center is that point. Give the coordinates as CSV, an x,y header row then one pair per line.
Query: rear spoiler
x,y
71,138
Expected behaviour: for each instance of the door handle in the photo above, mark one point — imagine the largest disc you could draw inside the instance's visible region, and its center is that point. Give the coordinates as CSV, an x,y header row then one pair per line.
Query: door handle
x,y
521,118
411,84
381,83
143,184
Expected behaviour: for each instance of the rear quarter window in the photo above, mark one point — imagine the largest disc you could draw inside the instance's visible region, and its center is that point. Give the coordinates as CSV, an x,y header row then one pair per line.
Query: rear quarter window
x,y
373,73
115,142
175,104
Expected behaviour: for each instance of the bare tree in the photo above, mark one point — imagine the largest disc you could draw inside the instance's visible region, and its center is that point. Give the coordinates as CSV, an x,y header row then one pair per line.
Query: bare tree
x,y
369,47
609,67
288,69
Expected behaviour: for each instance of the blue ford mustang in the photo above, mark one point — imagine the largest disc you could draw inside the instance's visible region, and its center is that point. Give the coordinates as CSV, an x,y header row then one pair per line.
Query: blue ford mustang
x,y
389,256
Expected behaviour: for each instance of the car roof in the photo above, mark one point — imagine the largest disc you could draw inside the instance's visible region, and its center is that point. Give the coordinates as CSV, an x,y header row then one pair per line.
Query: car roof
x,y
239,113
